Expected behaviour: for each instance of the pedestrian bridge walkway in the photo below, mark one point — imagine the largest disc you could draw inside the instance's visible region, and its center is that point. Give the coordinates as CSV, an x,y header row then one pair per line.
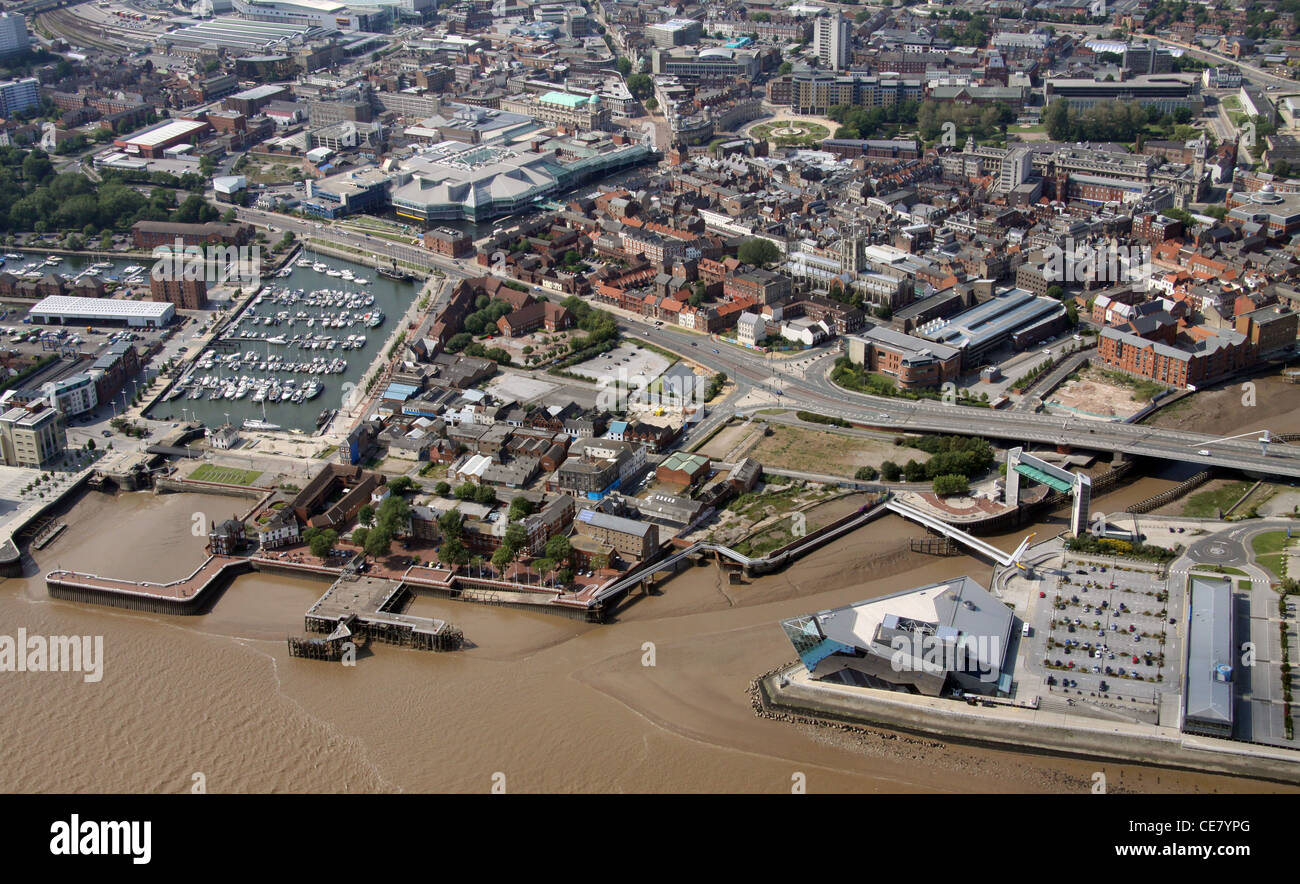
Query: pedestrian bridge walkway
x,y
770,561
980,547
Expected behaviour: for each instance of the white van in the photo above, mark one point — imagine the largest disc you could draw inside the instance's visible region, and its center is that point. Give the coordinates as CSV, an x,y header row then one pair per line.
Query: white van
x,y
1024,630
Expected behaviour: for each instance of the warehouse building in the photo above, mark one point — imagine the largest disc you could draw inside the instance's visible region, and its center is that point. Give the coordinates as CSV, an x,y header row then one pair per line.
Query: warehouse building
x,y
1208,701
633,540
153,143
67,310
1014,317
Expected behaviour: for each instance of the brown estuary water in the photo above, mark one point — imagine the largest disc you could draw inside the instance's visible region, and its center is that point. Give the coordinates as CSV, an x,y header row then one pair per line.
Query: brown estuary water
x,y
552,704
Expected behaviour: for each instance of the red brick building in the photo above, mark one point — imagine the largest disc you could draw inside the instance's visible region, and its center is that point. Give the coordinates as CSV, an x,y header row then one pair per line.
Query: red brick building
x,y
187,294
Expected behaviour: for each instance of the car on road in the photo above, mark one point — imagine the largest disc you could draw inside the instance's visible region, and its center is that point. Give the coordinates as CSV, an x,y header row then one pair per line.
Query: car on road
x,y
106,433
1204,452
715,349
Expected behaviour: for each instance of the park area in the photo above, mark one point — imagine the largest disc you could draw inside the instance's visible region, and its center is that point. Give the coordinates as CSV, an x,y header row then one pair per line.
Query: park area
x,y
791,133
224,475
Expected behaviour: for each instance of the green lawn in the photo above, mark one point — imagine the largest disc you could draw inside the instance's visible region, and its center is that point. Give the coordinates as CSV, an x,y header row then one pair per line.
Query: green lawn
x,y
1268,551
225,475
1208,503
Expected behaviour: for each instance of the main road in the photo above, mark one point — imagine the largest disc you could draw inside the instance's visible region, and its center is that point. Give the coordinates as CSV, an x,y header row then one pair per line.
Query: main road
x,y
804,383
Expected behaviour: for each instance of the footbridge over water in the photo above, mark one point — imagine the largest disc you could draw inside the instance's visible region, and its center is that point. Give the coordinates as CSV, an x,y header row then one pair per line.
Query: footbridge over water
x,y
979,547
802,546
751,565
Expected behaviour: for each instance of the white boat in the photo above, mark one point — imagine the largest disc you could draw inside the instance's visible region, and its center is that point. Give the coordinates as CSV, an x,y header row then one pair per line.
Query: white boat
x,y
255,424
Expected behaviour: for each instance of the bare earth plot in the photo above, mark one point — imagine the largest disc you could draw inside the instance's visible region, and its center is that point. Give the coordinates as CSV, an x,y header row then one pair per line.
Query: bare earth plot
x,y
1093,396
817,451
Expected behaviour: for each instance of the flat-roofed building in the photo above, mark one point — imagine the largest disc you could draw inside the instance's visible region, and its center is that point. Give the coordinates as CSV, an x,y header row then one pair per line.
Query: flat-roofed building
x,y
152,143
19,95
64,309
14,38
187,294
32,436
717,63
1208,697
674,32
250,102
1165,92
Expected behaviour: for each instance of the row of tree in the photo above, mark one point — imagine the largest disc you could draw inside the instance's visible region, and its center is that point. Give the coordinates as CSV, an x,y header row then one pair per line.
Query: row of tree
x,y
1122,121
34,198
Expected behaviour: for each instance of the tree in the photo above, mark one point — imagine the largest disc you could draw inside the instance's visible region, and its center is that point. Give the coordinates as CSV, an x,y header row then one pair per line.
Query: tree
x,y
758,252
322,543
543,566
519,508
951,484
402,485
466,491
624,66
866,474
378,542
641,86
890,471
449,523
503,556
359,536
366,515
485,494
516,537
558,548
1055,292
90,444
441,489
453,552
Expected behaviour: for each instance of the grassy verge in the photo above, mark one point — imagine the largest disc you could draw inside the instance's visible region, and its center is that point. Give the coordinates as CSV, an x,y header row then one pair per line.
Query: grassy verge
x,y
1207,504
1221,569
1269,551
